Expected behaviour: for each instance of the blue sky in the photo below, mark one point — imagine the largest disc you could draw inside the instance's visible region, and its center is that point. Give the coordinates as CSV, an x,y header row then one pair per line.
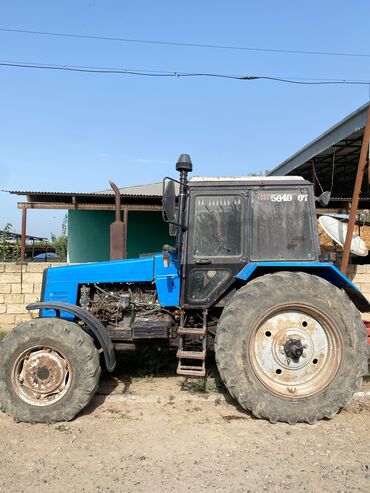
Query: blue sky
x,y
73,131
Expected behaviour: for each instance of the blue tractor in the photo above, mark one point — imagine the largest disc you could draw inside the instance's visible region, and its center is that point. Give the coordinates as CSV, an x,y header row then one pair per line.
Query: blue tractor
x,y
243,278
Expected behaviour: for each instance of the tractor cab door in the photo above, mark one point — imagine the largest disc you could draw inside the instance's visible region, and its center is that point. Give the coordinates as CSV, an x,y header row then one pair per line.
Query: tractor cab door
x,y
215,244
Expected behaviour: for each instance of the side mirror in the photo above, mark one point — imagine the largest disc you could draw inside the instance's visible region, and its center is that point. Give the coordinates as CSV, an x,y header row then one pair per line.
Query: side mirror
x,y
169,200
324,198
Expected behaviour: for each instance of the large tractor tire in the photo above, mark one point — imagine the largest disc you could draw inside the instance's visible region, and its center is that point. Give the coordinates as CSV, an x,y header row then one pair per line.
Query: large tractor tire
x,y
291,347
49,371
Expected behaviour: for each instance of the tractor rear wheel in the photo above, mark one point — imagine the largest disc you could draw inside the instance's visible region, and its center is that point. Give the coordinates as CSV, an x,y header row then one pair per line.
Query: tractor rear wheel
x,y
291,347
49,371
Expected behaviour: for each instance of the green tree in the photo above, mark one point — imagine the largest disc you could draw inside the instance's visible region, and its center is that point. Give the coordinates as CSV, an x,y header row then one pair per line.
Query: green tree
x,y
5,246
60,242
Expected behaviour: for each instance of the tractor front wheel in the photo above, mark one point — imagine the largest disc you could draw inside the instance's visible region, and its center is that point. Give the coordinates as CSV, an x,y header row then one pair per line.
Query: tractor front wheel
x,y
49,371
291,347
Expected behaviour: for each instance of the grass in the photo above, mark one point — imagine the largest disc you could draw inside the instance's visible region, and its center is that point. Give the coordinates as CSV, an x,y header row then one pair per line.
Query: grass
x,y
2,335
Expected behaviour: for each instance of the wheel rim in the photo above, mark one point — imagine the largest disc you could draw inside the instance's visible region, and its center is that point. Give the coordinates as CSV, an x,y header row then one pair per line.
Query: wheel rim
x,y
41,376
295,351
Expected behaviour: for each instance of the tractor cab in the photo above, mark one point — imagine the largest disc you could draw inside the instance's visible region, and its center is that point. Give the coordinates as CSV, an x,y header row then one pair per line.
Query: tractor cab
x,y
225,223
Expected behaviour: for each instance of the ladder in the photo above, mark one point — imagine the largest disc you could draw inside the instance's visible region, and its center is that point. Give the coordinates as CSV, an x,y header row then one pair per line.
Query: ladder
x,y
192,363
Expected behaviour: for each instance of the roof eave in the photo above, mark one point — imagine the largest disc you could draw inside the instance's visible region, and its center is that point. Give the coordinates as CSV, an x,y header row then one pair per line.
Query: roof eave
x,y
352,123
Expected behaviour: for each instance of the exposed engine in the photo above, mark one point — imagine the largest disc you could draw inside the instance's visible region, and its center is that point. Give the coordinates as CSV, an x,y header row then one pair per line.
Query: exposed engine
x,y
120,304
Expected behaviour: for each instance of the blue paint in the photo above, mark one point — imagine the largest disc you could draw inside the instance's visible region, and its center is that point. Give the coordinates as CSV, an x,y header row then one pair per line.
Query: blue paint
x,y
62,283
167,281
326,270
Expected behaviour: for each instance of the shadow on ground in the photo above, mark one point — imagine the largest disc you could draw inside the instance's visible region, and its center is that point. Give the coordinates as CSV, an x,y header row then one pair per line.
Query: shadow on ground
x,y
135,370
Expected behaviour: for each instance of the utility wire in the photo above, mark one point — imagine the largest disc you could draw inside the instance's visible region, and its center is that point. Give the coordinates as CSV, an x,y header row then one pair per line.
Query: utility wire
x,y
191,45
158,73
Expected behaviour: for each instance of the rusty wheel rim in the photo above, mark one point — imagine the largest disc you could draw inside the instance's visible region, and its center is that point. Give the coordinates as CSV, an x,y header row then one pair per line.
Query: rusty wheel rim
x,y
41,376
295,351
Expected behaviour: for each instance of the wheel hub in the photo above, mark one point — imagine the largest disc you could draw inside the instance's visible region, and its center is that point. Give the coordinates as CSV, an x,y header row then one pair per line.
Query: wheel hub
x,y
41,376
295,353
44,371
293,349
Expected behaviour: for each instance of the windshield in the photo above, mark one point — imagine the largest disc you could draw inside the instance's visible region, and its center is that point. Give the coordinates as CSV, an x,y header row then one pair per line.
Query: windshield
x,y
281,226
217,226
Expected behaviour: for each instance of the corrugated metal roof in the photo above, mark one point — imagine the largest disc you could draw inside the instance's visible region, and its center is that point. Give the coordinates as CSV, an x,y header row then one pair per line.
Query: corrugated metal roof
x,y
223,179
343,129
149,190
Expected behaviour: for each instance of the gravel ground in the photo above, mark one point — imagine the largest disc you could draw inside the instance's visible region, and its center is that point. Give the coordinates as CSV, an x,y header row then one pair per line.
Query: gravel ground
x,y
150,435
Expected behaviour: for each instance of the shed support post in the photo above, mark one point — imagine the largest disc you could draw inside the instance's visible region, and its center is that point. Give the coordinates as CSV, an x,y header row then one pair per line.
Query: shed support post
x,y
356,194
23,237
125,221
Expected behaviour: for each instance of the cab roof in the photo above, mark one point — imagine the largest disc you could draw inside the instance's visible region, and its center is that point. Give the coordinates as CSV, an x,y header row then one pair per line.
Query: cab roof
x,y
198,181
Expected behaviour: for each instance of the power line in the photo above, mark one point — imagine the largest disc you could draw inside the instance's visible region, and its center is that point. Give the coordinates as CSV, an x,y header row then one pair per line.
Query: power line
x,y
178,74
190,45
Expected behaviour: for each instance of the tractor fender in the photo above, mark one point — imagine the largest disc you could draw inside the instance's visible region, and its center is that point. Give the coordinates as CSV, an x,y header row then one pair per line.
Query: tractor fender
x,y
325,270
96,327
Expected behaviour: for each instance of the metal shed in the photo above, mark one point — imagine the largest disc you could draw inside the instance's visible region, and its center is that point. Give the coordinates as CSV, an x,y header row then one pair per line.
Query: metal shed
x,y
336,162
90,216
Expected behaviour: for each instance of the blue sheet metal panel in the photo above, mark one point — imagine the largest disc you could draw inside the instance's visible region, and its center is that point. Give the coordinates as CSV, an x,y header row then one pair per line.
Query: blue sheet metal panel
x,y
167,280
325,270
62,282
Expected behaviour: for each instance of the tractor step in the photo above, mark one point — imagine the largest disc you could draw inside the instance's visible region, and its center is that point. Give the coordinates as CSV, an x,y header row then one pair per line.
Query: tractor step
x,y
191,331
198,355
189,339
192,373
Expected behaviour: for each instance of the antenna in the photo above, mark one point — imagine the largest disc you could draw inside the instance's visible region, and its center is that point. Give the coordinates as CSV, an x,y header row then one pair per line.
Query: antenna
x,y
338,232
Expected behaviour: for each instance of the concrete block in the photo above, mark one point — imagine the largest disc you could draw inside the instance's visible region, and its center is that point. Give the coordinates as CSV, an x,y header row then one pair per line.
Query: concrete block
x,y
6,318
31,298
27,288
5,288
362,278
37,267
2,267
35,277
17,308
13,267
37,288
14,298
2,298
2,308
16,288
10,278
359,269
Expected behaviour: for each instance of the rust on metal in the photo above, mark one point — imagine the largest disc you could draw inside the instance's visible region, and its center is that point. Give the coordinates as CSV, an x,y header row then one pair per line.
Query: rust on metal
x,y
274,357
41,376
356,194
88,207
117,229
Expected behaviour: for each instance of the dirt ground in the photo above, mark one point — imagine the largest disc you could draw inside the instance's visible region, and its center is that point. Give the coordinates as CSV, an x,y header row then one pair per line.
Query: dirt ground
x,y
150,435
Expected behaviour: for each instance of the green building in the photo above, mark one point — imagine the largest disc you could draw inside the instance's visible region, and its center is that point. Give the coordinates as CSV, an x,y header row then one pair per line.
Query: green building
x,y
91,214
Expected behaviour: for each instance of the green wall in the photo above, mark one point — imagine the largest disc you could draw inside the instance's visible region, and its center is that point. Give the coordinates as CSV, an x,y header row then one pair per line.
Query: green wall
x,y
88,234
146,233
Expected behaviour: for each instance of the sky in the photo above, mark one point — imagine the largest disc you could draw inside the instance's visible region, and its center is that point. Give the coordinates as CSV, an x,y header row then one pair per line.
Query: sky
x,y
69,131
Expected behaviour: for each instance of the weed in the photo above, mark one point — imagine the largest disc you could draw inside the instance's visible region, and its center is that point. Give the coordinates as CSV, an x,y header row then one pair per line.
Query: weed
x,y
203,386
218,401
63,429
2,335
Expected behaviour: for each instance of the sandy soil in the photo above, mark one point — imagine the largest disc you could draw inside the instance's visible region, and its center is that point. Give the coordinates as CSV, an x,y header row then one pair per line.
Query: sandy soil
x,y
148,435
